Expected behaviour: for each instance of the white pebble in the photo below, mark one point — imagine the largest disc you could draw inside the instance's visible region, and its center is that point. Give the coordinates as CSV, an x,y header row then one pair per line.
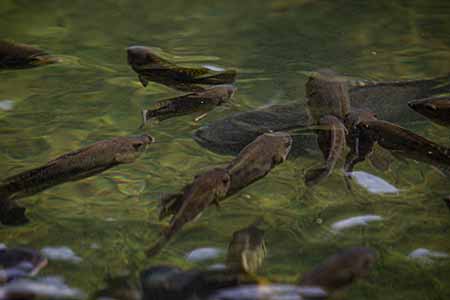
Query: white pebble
x,y
373,184
202,254
355,221
60,253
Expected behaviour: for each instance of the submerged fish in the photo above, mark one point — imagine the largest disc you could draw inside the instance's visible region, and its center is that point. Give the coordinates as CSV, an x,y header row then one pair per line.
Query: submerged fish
x,y
71,166
331,140
254,162
206,189
404,143
257,159
437,109
151,67
20,262
386,99
341,269
21,56
198,102
247,250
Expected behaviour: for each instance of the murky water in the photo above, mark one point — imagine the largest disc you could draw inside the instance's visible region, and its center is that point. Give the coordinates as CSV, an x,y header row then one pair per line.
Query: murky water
x,y
109,220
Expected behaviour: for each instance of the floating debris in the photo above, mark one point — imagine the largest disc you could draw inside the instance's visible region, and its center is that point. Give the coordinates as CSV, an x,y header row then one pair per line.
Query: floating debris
x,y
6,105
373,184
426,256
61,253
202,254
355,221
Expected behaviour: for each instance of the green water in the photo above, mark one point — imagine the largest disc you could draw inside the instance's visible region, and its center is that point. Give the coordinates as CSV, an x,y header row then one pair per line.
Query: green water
x,y
110,219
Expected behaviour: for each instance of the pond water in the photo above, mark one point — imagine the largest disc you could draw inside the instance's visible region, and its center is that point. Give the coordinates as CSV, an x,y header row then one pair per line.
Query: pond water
x,y
105,223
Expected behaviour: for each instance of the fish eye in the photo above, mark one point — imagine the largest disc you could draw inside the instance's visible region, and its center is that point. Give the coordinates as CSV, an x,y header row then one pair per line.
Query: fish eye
x,y
430,107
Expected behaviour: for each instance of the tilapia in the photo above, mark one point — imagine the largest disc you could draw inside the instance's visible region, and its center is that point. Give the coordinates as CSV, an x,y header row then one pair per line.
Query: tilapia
x,y
206,189
341,269
71,166
151,67
387,99
21,56
198,102
437,109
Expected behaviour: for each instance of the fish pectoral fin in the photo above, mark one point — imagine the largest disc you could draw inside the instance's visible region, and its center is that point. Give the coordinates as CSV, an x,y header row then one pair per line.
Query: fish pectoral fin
x,y
143,80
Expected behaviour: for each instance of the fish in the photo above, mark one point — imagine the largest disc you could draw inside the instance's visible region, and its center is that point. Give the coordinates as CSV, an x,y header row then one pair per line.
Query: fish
x,y
341,269
72,166
206,189
254,162
402,142
257,159
201,102
151,67
22,56
331,139
387,99
246,250
437,109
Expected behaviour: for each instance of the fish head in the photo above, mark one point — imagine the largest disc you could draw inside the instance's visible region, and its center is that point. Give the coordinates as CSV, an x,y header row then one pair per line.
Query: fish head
x,y
281,143
131,148
436,109
363,259
140,56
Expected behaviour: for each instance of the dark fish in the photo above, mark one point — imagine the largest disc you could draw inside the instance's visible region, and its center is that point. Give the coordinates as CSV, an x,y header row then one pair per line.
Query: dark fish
x,y
201,102
20,262
172,283
404,143
360,145
437,109
71,166
247,250
21,56
257,159
151,67
331,139
206,189
254,162
386,99
341,269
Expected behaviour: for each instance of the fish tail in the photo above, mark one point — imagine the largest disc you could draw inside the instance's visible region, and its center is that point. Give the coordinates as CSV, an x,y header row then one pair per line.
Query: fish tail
x,y
314,176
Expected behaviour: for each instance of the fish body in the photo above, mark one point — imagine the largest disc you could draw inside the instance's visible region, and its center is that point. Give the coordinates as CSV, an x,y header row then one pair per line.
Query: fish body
x,y
258,158
331,139
437,109
402,142
71,166
194,102
247,250
151,67
341,269
207,188
21,56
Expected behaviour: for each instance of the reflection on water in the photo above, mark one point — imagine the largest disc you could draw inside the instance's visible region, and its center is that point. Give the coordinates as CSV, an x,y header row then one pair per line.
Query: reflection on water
x,y
94,95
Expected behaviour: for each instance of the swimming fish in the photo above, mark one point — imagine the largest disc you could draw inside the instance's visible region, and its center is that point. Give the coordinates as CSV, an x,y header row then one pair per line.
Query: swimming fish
x,y
72,166
200,102
206,189
437,109
341,269
21,56
151,67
